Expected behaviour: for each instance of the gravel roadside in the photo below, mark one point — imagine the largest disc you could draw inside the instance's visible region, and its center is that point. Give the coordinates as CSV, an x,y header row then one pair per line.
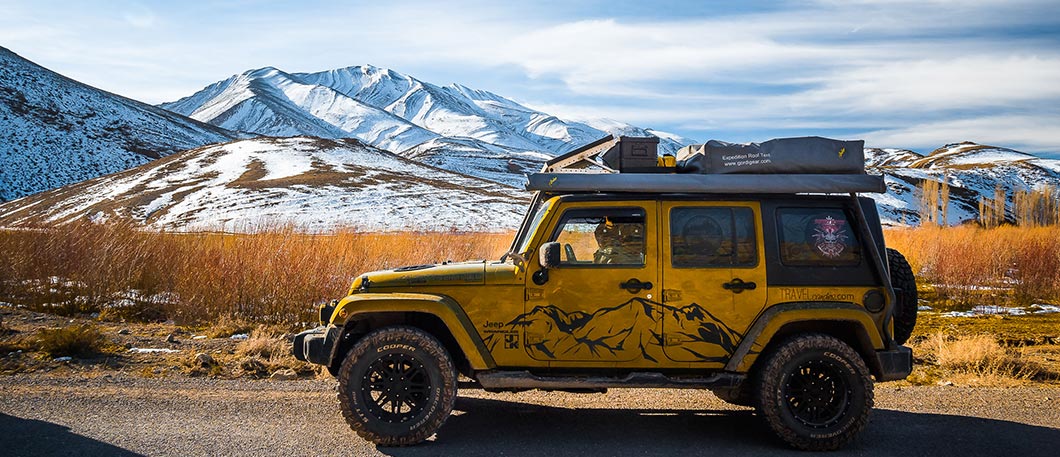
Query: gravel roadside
x,y
120,415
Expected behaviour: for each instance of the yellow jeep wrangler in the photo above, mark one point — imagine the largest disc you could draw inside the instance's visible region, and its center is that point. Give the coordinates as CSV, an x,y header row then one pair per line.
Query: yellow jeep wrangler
x,y
766,288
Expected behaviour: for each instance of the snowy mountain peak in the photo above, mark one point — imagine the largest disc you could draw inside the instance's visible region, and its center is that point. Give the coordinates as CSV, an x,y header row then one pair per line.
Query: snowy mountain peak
x,y
263,72
402,114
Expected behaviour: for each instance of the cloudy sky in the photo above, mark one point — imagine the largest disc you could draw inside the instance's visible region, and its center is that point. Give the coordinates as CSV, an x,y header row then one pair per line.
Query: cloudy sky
x,y
912,74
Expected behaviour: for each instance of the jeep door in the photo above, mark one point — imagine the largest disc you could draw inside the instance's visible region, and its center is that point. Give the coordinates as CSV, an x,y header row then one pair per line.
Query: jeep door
x,y
713,276
592,306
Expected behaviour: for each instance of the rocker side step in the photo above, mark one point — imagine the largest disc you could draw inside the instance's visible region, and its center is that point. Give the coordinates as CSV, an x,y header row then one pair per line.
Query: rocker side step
x,y
503,380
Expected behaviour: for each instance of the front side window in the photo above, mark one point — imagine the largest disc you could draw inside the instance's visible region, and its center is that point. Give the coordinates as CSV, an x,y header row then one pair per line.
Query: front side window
x,y
712,237
607,236
817,237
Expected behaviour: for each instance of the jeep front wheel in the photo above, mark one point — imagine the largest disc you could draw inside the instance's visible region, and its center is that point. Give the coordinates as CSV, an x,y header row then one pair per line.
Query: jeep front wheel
x,y
815,392
397,386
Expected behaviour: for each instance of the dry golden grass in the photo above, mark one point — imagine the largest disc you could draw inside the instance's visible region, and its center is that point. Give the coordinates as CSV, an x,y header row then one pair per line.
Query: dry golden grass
x,y
276,276
267,351
226,325
279,274
984,266
977,359
264,344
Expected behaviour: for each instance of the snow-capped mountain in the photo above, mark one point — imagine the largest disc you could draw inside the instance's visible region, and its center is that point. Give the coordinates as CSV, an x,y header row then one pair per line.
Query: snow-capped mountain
x,y
270,102
972,172
453,127
321,184
458,157
56,131
310,183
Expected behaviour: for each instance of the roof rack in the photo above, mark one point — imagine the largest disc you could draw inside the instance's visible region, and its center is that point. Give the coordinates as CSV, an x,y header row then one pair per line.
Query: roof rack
x,y
582,160
820,165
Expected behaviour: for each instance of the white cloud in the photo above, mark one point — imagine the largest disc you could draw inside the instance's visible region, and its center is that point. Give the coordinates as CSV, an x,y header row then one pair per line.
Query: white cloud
x,y
922,85
890,68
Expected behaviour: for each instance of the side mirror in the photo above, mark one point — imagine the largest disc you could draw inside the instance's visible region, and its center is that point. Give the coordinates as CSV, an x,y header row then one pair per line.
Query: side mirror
x,y
548,255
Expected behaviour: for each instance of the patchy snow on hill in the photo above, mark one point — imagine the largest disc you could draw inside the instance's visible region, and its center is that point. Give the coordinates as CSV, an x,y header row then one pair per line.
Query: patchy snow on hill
x,y
310,183
55,131
972,172
968,153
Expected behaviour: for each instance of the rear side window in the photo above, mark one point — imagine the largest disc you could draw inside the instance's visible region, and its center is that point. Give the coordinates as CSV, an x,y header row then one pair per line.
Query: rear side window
x,y
817,237
712,237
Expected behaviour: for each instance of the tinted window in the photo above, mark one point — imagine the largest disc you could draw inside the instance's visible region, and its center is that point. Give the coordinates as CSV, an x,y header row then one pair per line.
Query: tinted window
x,y
712,237
817,237
602,237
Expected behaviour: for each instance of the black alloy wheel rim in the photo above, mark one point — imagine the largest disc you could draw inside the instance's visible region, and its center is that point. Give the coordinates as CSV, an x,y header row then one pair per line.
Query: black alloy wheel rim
x,y
396,388
817,394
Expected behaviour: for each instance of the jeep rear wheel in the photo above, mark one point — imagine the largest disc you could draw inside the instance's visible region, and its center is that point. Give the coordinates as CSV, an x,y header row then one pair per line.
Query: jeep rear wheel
x,y
902,278
815,392
397,386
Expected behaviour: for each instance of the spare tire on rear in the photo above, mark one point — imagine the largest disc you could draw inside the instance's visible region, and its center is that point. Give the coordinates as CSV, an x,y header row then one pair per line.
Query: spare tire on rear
x,y
904,283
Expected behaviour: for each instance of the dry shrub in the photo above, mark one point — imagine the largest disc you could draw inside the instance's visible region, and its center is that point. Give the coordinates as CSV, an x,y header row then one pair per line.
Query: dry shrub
x,y
979,359
267,351
83,340
275,276
264,344
1036,266
227,325
969,264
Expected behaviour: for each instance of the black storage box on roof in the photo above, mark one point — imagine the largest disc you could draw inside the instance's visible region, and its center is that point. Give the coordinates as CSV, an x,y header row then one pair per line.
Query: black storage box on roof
x,y
634,155
804,155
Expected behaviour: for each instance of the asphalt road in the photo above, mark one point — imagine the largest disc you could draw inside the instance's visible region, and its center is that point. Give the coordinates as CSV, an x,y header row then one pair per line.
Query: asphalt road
x,y
44,416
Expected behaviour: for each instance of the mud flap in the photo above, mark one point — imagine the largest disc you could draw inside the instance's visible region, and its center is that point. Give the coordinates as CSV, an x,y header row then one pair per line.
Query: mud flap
x,y
895,364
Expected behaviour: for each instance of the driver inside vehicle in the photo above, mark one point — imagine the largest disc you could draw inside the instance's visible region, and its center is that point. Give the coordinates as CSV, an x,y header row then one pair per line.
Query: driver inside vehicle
x,y
619,243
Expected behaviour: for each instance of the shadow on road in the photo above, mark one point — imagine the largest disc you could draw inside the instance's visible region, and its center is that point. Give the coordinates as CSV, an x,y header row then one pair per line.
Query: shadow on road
x,y
26,437
491,427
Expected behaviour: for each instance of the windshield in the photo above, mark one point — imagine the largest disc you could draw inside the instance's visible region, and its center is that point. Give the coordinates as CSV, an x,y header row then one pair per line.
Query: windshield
x,y
524,242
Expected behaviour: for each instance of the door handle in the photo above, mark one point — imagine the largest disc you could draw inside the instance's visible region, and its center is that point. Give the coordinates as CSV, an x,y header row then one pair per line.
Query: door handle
x,y
738,285
633,285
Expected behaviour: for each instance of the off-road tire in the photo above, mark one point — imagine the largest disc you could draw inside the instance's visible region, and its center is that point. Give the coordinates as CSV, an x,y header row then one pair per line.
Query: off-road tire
x,y
902,278
811,375
418,362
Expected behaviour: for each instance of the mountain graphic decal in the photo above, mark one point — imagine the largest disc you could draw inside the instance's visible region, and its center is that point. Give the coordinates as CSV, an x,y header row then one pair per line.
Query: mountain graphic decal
x,y
631,330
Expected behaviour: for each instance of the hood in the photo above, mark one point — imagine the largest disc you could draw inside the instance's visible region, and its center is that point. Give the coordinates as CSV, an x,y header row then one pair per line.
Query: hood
x,y
447,274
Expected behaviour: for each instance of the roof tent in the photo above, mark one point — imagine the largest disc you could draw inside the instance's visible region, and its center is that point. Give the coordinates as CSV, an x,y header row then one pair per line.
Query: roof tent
x,y
779,166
